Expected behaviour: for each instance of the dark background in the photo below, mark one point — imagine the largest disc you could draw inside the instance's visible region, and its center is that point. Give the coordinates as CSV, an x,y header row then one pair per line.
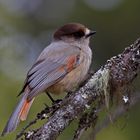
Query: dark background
x,y
26,27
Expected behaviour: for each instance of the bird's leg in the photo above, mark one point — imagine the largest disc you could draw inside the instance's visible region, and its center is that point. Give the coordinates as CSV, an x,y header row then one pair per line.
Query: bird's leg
x,y
51,98
53,101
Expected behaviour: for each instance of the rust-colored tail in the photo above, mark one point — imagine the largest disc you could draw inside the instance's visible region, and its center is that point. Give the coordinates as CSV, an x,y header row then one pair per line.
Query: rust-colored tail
x,y
19,114
25,109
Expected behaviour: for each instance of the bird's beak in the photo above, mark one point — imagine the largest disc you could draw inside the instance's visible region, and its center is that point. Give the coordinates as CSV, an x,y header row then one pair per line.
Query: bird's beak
x,y
90,33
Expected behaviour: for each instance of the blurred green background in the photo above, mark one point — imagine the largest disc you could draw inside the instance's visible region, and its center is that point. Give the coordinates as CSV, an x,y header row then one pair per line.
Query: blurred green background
x,y
26,27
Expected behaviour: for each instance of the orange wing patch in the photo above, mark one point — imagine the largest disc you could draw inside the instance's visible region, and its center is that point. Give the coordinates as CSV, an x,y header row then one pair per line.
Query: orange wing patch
x,y
71,62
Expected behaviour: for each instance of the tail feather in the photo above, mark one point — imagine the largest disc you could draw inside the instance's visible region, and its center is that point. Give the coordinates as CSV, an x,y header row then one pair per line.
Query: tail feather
x,y
20,113
25,109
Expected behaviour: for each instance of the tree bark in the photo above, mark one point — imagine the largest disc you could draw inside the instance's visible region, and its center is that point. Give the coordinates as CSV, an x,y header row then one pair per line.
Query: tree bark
x,y
110,81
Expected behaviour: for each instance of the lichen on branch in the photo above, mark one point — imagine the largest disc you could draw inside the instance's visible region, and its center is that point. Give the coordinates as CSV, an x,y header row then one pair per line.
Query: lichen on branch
x,y
111,79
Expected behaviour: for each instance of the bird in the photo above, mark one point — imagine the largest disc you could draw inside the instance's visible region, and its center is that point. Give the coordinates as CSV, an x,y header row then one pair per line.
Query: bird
x,y
60,68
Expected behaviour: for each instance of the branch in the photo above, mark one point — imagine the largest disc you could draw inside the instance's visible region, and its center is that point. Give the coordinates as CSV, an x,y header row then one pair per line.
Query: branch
x,y
109,81
119,111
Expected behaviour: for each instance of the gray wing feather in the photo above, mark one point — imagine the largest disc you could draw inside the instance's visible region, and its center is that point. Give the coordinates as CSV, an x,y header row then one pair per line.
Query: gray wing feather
x,y
45,68
45,71
42,75
46,82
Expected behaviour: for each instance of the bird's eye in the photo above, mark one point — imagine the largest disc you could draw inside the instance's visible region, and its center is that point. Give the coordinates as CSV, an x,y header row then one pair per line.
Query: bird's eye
x,y
78,34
